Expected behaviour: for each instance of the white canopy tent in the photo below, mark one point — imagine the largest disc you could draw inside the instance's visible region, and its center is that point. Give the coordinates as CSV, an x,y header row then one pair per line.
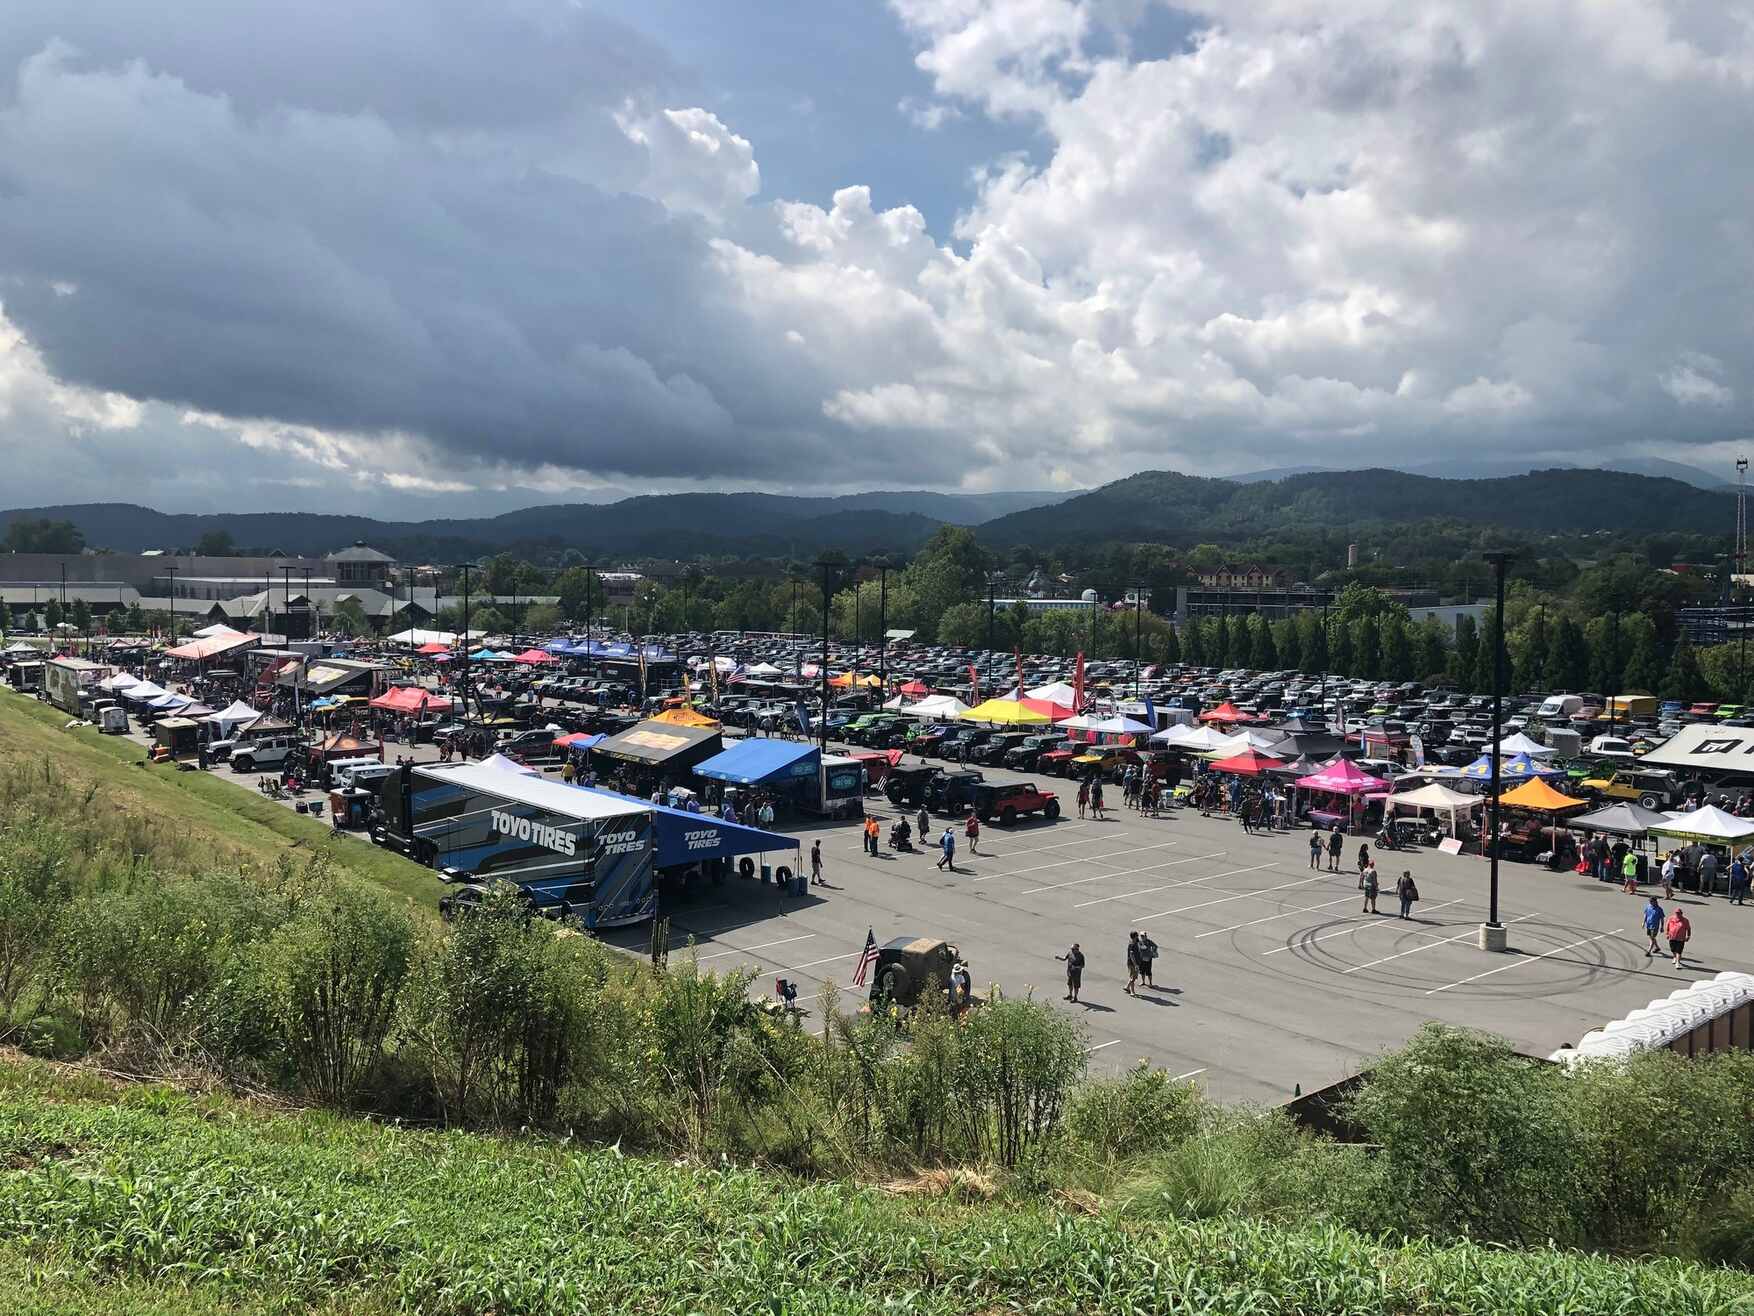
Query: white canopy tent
x,y
144,691
229,721
120,681
1200,740
500,763
1057,692
416,637
1710,825
1521,744
762,669
1118,726
1440,799
942,706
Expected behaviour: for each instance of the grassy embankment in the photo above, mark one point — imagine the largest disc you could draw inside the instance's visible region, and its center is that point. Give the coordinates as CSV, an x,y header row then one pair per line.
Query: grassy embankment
x,y
226,820
140,1199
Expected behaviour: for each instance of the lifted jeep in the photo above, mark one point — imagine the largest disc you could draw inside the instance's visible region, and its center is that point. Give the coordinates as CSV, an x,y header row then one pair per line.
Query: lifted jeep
x,y
1008,803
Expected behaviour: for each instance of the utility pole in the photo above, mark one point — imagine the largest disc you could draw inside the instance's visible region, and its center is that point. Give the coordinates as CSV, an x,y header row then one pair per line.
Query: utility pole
x,y
1492,932
1741,613
883,623
463,688
827,565
1138,607
590,580
991,576
171,571
310,614
286,597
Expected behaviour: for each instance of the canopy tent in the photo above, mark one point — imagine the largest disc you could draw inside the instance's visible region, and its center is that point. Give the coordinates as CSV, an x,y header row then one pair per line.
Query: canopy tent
x,y
120,681
170,701
847,680
1706,746
1305,766
1710,825
412,699
915,689
143,692
1055,692
1438,797
1227,712
1623,819
413,638
227,721
763,669
1082,722
1198,740
1320,745
486,655
752,762
685,717
1297,726
946,707
1006,712
1249,763
1342,777
1538,795
1521,744
532,657
1517,767
225,640
433,649
340,746
501,763
1120,726
1052,711
661,744
576,740
19,646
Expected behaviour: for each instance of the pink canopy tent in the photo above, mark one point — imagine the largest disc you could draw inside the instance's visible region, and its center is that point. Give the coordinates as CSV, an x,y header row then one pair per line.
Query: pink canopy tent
x,y
1227,712
433,649
916,689
411,699
1049,709
533,656
1342,777
1249,763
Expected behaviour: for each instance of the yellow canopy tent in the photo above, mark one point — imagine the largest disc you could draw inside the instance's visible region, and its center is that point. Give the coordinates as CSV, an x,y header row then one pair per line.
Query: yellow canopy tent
x,y
1007,712
845,680
685,717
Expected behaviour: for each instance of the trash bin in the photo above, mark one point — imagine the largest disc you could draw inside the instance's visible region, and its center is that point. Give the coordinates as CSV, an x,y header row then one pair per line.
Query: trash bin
x,y
766,874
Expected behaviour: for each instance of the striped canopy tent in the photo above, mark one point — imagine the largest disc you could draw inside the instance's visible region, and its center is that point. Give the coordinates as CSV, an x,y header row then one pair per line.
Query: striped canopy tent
x,y
1249,763
1229,713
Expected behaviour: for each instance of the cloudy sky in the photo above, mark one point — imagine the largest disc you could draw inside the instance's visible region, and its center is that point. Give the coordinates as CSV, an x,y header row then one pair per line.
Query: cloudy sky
x,y
418,257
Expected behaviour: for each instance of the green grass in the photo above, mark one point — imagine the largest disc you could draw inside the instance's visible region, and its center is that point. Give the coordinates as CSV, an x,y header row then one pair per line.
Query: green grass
x,y
231,816
142,1200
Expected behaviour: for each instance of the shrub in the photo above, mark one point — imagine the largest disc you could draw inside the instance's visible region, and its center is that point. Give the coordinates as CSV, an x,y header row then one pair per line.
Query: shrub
x,y
1140,1114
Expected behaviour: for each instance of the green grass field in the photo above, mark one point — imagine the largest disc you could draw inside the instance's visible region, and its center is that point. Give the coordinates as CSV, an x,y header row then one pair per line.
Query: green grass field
x,y
210,808
144,1200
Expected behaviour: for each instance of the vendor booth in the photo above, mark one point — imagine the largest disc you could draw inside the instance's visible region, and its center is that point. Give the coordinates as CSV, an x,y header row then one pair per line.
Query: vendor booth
x,y
650,751
174,737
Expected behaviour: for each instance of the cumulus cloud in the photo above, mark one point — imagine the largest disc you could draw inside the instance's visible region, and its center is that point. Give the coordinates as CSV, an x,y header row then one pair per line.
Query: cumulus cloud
x,y
419,243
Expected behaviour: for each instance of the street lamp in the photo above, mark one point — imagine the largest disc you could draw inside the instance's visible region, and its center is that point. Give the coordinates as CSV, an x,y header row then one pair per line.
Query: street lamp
x,y
1492,932
463,685
590,580
991,577
828,565
171,571
1138,608
883,622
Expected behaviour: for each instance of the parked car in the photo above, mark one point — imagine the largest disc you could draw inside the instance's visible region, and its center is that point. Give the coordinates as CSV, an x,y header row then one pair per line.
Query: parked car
x,y
951,793
1009,802
1653,788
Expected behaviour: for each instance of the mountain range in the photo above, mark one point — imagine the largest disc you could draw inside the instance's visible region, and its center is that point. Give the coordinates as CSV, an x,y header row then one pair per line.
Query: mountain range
x,y
1162,506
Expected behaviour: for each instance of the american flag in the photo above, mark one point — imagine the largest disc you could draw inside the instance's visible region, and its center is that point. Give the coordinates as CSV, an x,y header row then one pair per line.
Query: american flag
x,y
867,958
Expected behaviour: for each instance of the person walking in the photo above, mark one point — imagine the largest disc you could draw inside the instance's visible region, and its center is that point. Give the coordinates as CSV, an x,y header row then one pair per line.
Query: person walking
x,y
1679,932
1074,962
1336,843
947,843
1367,883
1629,873
1408,891
1147,958
1707,874
1738,881
973,832
1315,849
1132,964
1363,861
1653,925
1083,796
816,863
1096,805
1668,878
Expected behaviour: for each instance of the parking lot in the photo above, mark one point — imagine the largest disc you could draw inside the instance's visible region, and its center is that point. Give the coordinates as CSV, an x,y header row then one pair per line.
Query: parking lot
x,y
1270,977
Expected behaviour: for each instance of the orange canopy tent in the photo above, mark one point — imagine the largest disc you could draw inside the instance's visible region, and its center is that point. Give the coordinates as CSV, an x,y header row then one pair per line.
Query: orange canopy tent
x,y
845,679
1227,712
1536,794
685,717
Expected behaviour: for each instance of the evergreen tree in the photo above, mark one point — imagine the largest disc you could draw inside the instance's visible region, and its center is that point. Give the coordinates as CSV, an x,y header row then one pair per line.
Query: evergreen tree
x,y
1644,665
1568,656
1368,648
1221,651
1344,658
1172,647
1288,640
1487,655
1432,650
1397,655
1465,660
1265,653
1194,646
1684,679
1607,655
53,615
1316,658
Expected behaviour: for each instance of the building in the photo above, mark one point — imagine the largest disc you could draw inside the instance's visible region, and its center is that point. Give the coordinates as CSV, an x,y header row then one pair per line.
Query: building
x,y
1247,576
1273,604
1088,602
359,565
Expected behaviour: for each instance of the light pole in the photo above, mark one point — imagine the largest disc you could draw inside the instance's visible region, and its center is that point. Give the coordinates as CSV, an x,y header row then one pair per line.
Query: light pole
x,y
1138,614
883,623
827,564
463,686
310,620
1741,612
590,580
171,571
991,577
1492,932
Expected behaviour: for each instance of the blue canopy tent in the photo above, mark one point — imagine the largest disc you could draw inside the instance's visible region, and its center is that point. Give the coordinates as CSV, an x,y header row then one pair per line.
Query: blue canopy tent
x,y
760,761
1513,767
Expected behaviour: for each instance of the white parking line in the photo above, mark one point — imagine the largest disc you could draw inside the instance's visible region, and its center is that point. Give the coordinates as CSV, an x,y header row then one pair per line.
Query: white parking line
x,y
1530,959
798,968
1179,1077
1167,886
1430,945
745,950
1350,928
1129,872
1307,909
1081,859
1225,900
1089,1050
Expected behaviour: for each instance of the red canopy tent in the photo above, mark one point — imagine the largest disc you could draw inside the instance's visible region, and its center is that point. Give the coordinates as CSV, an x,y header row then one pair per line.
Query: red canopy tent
x,y
1228,712
1249,763
430,650
411,699
535,656
915,688
1049,709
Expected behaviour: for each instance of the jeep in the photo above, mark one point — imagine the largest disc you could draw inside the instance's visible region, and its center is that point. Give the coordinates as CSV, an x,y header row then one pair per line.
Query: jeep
x,y
1008,803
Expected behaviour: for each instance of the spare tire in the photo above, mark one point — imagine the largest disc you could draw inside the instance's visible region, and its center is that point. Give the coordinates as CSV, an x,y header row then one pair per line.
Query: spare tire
x,y
893,984
746,868
783,875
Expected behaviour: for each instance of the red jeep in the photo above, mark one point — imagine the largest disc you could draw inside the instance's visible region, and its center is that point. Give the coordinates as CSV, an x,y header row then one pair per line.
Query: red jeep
x,y
1008,803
